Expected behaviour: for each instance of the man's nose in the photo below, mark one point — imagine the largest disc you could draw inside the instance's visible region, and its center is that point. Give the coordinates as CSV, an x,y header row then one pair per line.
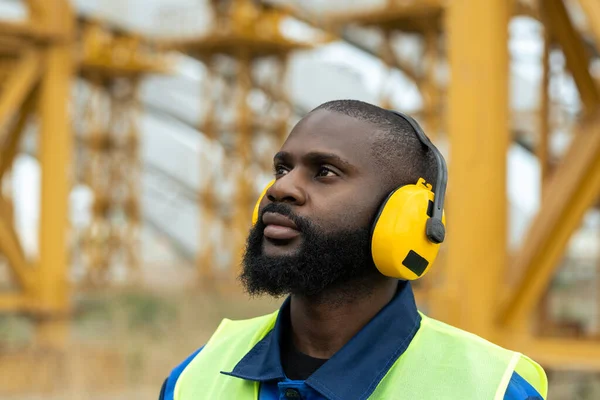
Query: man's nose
x,y
287,189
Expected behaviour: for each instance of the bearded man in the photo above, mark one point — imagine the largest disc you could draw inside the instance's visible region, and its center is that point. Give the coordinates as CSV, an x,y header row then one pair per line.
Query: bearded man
x,y
350,219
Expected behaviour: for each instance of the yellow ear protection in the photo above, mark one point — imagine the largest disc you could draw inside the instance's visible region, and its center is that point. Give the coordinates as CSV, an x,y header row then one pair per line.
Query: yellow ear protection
x,y
264,192
409,226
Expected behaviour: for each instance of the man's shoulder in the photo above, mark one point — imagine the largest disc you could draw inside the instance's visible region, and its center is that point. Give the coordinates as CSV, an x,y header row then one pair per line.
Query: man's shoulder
x,y
230,334
528,377
455,332
242,330
257,322
521,389
458,335
168,387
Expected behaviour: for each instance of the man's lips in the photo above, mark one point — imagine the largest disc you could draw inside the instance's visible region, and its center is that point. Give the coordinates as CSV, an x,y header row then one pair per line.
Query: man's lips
x,y
279,227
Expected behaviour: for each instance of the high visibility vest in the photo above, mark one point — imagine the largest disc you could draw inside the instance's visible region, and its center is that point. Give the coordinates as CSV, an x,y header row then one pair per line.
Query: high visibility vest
x,y
441,362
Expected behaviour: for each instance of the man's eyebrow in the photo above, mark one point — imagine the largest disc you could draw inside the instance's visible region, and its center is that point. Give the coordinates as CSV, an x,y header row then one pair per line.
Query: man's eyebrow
x,y
319,157
281,156
316,157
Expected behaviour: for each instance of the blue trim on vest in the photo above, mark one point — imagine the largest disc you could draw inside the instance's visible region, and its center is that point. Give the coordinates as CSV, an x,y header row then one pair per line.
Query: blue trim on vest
x,y
169,391
519,389
360,361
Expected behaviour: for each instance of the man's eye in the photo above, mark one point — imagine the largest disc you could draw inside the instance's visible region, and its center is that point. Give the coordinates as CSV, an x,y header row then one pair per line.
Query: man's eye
x,y
280,170
324,171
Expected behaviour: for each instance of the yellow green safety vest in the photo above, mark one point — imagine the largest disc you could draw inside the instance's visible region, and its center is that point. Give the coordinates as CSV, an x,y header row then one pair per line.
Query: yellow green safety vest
x,y
441,362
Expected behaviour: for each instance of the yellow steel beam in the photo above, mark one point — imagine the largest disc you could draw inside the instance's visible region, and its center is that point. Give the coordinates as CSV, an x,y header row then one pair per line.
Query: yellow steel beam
x,y
592,13
561,29
406,15
107,53
10,246
12,45
479,137
11,302
243,25
26,30
10,147
19,84
335,32
42,24
55,158
521,8
572,189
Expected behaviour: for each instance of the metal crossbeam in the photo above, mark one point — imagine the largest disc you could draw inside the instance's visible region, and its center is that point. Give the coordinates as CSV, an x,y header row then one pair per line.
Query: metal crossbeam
x,y
562,30
43,24
11,45
414,15
592,12
10,246
571,191
20,29
8,149
25,74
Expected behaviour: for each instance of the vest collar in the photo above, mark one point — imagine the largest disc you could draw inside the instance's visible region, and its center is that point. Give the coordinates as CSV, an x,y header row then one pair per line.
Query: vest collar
x,y
357,368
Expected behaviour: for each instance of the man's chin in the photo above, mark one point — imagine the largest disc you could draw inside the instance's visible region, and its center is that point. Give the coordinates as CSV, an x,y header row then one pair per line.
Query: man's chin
x,y
307,265
281,248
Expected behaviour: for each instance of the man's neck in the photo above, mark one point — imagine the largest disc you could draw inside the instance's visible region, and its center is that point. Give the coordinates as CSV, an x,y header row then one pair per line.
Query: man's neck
x,y
321,326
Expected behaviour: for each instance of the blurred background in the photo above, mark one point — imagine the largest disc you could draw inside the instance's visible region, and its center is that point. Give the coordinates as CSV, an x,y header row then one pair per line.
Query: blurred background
x,y
135,136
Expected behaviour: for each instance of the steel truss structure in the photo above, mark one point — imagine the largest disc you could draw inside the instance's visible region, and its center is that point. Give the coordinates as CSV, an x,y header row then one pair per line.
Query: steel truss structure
x,y
479,285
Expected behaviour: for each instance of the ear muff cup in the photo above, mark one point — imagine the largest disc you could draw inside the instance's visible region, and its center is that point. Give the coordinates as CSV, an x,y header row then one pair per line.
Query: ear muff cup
x,y
399,245
257,206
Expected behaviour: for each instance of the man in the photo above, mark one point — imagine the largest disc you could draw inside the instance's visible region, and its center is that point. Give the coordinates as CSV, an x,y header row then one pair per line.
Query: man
x,y
346,331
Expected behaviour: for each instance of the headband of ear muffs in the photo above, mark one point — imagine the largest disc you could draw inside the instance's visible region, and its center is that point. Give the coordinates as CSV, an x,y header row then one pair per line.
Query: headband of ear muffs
x,y
257,206
410,223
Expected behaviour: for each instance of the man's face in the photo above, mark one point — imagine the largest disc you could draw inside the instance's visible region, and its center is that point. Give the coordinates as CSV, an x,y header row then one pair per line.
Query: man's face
x,y
314,222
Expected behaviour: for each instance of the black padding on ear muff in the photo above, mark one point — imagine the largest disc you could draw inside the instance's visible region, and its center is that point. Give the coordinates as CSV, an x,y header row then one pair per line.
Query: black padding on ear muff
x,y
415,263
380,210
435,230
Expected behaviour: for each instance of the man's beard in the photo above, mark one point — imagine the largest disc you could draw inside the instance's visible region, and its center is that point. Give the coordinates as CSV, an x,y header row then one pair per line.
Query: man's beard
x,y
340,260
